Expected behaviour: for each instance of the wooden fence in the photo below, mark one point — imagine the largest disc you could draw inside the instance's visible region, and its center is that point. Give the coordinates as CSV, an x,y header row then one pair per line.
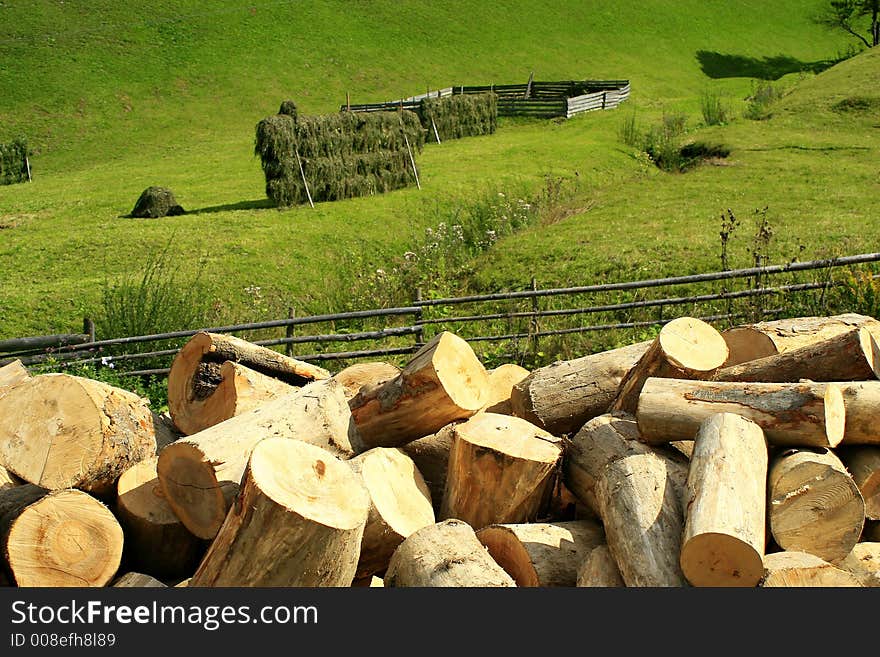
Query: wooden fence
x,y
535,99
519,321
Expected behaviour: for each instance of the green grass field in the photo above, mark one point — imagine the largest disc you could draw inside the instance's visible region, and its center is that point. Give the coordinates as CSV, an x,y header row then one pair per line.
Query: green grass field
x,y
116,98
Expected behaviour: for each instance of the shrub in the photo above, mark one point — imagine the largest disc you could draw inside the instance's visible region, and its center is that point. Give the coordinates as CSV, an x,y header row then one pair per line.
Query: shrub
x,y
763,95
714,108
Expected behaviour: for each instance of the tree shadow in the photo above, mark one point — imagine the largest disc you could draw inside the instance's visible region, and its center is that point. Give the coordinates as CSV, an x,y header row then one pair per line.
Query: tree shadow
x,y
718,65
259,204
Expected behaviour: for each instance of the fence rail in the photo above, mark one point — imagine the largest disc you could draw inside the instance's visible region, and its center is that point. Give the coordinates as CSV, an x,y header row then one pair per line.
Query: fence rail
x,y
491,318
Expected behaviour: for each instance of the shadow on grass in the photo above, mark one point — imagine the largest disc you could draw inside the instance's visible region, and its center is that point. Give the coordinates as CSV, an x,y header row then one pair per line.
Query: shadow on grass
x,y
717,65
259,204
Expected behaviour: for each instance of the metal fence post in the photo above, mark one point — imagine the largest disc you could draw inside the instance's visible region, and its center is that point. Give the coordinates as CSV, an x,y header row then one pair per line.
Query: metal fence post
x,y
533,320
420,331
288,347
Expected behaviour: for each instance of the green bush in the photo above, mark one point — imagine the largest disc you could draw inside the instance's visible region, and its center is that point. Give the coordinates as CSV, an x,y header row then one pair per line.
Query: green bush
x,y
14,161
714,108
763,96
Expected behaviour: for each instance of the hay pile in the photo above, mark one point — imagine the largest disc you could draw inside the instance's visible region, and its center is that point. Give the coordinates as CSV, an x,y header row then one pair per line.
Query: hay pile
x,y
342,155
460,115
13,162
155,202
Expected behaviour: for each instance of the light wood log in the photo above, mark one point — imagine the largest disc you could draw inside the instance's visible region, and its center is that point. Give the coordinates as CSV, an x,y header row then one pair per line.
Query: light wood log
x,y
7,479
542,554
60,431
861,401
563,396
59,538
200,474
796,414
370,582
431,456
443,382
354,377
298,521
501,382
603,440
725,505
12,374
863,463
643,521
139,581
184,583
763,339
196,376
400,503
803,569
446,554
686,348
156,541
599,570
814,504
501,470
850,356
864,563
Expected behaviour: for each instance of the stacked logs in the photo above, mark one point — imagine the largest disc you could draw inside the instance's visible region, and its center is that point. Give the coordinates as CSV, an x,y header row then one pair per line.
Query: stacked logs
x,y
748,457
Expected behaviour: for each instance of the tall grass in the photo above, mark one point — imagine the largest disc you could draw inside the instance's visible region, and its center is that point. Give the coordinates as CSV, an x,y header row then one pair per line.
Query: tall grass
x,y
763,96
714,108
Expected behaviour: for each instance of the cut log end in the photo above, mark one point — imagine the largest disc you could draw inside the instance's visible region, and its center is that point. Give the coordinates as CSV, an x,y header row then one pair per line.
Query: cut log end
x,y
791,568
721,560
310,482
190,486
692,345
66,538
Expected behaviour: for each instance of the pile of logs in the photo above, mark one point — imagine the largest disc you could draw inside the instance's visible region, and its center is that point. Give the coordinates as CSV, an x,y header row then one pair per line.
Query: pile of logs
x,y
748,457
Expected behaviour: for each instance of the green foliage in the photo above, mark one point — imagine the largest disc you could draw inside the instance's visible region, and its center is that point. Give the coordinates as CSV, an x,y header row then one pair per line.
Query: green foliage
x,y
858,105
342,155
14,161
159,299
661,142
714,107
859,18
460,115
630,133
764,95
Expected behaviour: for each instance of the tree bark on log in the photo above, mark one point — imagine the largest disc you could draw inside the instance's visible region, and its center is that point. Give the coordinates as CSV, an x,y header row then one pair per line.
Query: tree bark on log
x,y
195,375
562,397
686,348
431,456
725,504
60,431
156,541
542,554
850,356
502,379
795,414
298,521
11,374
446,554
354,377
501,470
863,464
400,504
862,401
802,569
754,341
138,581
864,563
200,474
599,570
606,439
814,504
642,516
444,382
59,538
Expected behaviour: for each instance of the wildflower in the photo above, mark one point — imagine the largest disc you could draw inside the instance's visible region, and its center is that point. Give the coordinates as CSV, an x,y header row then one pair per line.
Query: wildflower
x,y
107,361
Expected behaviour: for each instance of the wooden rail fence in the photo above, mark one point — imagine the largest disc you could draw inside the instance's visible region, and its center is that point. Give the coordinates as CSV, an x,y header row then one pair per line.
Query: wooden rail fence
x,y
402,330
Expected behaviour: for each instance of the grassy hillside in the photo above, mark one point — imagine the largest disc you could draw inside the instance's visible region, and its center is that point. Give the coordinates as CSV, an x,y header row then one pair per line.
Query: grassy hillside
x,y
115,98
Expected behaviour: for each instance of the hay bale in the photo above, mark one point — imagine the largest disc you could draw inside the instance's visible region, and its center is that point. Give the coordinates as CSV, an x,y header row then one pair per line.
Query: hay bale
x,y
13,161
155,202
342,155
288,107
461,115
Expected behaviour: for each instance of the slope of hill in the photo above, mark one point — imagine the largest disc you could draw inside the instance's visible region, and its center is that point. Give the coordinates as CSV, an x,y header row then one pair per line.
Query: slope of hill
x,y
115,98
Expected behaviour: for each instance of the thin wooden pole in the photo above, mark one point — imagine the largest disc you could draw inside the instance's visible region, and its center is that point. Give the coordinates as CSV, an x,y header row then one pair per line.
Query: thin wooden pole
x,y
436,134
303,174
412,160
27,164
348,101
